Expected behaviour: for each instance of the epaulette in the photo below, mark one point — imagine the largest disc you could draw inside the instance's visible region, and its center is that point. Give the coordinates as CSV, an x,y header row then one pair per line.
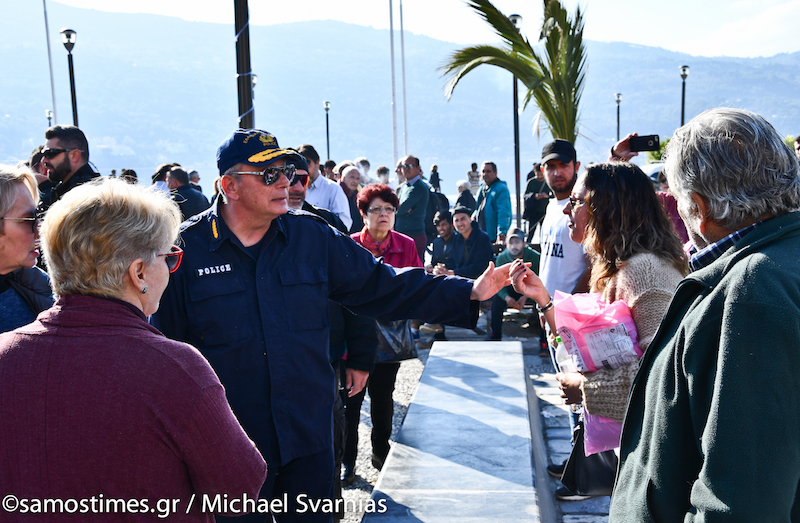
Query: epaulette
x,y
192,221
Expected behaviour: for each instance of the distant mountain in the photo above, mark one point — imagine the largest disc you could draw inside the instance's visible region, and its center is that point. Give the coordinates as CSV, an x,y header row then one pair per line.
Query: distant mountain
x,y
153,89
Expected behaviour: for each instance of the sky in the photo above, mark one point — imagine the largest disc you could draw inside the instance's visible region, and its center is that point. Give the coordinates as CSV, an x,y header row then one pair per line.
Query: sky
x,y
741,28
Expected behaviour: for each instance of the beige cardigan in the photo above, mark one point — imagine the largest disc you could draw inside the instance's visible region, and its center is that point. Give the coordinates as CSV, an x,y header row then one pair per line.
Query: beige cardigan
x,y
646,284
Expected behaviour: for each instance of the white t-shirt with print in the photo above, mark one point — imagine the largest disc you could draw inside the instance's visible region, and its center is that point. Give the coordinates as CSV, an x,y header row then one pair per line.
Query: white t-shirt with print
x,y
562,260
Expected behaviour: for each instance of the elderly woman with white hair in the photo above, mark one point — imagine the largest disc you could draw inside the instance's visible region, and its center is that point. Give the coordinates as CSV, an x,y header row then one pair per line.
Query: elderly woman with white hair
x,y
97,403
465,197
24,288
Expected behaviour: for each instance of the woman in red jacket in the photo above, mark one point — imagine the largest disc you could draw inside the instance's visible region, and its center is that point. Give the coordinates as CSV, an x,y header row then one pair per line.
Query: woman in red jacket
x,y
378,205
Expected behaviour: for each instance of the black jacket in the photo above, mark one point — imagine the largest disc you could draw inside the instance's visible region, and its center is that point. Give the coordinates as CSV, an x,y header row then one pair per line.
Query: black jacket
x,y
190,200
476,252
81,176
467,200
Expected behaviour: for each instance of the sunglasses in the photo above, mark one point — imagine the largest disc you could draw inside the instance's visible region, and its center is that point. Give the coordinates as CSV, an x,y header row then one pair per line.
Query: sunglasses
x,y
33,219
173,258
272,174
301,178
573,202
52,153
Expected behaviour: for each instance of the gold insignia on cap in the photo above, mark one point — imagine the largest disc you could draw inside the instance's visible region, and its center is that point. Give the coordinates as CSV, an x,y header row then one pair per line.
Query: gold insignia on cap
x,y
267,139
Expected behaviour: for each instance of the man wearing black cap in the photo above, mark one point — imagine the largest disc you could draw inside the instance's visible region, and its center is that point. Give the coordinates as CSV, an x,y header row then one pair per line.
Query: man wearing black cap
x,y
252,296
563,263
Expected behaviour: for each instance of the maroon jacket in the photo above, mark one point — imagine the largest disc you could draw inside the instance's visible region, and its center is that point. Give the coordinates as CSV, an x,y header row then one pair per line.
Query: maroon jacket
x,y
95,401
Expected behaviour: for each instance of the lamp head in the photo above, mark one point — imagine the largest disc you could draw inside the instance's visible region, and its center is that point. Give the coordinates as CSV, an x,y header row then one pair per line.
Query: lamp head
x,y
618,97
515,19
327,106
68,36
684,71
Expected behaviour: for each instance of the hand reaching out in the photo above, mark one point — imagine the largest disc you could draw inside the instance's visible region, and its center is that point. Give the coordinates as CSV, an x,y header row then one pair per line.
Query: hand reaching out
x,y
527,283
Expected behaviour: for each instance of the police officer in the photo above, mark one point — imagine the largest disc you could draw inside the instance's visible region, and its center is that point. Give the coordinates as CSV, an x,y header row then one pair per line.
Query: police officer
x,y
252,295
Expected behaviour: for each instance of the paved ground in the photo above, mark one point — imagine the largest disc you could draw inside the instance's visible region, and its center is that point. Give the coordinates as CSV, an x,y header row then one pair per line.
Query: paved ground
x,y
553,417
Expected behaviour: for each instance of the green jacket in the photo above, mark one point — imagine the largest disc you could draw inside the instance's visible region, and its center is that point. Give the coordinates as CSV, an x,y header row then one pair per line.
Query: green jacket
x,y
410,218
528,255
712,431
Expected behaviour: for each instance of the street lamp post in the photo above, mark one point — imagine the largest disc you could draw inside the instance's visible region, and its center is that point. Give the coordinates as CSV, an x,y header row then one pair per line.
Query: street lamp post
x,y
68,36
244,82
618,98
49,114
516,19
684,74
327,106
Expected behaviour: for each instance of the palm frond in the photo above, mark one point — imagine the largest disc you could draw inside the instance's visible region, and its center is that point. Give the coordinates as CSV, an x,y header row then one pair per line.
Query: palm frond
x,y
554,79
463,61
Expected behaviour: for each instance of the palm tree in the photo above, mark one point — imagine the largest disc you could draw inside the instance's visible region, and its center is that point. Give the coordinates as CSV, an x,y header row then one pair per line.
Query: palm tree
x,y
554,80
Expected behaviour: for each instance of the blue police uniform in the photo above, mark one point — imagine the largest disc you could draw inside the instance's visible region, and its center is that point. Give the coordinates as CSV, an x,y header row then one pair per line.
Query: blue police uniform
x,y
259,315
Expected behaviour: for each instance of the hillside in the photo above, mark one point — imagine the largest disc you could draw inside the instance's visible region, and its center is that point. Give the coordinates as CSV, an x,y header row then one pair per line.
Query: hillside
x,y
153,89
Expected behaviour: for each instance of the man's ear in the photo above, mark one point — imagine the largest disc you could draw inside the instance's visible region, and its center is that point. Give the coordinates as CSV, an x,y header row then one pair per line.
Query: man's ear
x,y
230,186
74,157
704,221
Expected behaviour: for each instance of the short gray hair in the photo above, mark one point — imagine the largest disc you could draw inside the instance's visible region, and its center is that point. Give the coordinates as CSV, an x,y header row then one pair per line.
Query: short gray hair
x,y
464,185
737,161
94,232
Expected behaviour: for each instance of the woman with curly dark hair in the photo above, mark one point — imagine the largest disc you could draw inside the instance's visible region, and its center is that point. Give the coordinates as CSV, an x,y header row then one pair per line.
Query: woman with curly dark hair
x,y
378,205
636,258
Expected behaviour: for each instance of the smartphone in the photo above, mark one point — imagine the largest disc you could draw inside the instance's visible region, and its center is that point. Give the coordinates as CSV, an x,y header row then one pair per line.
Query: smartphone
x,y
645,143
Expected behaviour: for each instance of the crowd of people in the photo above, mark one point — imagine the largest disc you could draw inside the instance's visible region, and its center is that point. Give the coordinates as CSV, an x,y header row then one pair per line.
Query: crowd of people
x,y
161,345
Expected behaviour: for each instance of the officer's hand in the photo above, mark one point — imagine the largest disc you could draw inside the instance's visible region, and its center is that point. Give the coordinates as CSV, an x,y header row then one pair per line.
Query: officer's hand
x,y
490,282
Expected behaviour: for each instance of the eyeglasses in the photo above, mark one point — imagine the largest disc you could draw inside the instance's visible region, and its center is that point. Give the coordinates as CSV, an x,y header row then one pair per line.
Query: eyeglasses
x,y
272,174
574,201
381,210
33,219
302,178
407,166
52,153
173,258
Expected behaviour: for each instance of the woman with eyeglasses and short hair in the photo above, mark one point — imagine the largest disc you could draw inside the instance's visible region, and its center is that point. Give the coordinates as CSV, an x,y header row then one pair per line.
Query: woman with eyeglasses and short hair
x,y
95,401
378,205
24,288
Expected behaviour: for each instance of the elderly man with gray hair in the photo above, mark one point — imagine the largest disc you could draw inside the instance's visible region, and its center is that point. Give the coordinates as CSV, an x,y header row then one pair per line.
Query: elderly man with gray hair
x,y
710,432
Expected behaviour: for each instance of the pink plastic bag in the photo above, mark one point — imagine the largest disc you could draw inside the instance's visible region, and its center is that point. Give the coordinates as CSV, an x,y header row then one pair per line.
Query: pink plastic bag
x,y
600,433
595,333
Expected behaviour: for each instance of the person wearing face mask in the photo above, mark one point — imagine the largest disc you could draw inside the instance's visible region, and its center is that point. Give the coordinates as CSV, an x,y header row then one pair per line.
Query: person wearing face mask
x,y
507,296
